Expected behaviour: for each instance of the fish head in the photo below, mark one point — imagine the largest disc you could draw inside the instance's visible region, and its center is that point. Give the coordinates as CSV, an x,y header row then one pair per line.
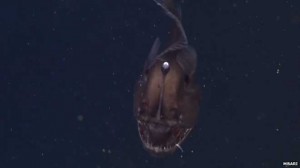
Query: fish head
x,y
166,103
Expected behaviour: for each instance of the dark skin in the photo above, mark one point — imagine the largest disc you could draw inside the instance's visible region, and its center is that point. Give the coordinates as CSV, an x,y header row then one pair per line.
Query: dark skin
x,y
166,100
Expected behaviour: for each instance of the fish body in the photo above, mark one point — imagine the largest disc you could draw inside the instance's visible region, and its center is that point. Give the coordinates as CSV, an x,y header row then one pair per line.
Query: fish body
x,y
166,98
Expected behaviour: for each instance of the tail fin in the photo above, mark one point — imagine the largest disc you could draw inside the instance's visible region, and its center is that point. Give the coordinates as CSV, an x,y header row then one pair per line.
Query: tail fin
x,y
173,10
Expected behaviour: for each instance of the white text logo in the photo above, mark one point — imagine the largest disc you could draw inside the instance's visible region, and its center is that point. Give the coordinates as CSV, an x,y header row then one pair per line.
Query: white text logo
x,y
290,163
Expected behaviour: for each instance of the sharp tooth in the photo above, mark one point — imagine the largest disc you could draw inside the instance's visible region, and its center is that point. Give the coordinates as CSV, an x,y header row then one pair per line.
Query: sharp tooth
x,y
157,149
161,149
179,147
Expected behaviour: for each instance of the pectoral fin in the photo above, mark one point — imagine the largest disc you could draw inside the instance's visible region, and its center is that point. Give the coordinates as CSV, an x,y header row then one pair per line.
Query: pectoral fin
x,y
187,59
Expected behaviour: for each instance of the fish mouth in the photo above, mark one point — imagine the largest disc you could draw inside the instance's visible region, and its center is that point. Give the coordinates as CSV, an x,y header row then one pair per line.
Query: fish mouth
x,y
161,138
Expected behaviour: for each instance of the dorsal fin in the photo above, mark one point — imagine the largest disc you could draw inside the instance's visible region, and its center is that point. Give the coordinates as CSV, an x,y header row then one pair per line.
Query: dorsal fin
x,y
174,12
153,53
172,5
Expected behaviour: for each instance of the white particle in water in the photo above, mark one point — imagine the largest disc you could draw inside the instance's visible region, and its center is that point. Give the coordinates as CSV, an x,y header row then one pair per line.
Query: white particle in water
x,y
80,118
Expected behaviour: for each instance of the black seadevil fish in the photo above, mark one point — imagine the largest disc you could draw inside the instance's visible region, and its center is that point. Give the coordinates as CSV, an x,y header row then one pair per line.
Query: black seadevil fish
x,y
166,99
